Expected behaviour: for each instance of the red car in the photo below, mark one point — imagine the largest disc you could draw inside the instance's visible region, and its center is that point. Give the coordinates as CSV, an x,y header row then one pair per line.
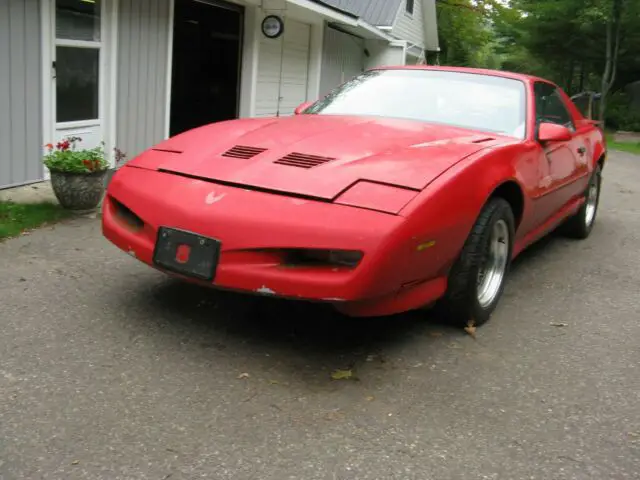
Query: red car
x,y
403,188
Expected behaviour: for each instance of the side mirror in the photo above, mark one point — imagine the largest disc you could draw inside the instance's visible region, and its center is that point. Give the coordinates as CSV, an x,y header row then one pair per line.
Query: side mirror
x,y
551,132
302,107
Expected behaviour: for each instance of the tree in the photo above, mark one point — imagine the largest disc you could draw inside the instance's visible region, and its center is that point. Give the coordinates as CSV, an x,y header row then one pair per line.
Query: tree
x,y
463,33
608,14
579,44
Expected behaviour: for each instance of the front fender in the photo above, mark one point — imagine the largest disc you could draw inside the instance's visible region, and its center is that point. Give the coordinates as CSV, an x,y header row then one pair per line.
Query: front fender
x,y
443,214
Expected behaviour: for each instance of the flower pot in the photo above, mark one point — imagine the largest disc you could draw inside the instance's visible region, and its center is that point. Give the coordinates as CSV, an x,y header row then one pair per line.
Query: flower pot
x,y
78,191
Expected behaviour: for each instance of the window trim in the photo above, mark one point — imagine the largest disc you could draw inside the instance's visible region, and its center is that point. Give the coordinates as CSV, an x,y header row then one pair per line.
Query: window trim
x,y
553,89
86,122
408,11
101,26
87,44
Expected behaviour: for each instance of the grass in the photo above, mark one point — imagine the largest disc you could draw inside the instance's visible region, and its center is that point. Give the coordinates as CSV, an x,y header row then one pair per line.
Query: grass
x,y
623,147
15,218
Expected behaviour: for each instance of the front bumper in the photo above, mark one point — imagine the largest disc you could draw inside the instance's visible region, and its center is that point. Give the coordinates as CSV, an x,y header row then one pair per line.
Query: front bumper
x,y
250,223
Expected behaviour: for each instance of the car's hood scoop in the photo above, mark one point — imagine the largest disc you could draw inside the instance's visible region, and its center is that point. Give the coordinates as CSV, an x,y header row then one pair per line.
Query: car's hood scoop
x,y
320,156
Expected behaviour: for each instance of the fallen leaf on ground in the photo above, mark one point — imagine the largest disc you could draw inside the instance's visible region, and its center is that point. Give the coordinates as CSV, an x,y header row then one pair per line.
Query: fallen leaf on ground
x,y
370,398
75,462
471,329
342,374
559,324
244,375
274,382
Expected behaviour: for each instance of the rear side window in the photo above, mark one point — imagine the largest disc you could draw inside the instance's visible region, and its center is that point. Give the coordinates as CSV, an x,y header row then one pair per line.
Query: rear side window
x,y
550,107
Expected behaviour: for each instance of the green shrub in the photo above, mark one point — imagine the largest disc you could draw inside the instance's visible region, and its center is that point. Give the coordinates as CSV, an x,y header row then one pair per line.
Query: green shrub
x,y
620,116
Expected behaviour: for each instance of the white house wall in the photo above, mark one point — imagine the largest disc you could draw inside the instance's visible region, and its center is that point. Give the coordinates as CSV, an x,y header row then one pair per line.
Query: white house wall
x,y
382,54
410,27
430,16
20,92
143,44
342,59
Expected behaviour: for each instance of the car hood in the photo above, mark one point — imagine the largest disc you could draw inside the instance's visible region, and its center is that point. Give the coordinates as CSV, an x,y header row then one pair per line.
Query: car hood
x,y
317,156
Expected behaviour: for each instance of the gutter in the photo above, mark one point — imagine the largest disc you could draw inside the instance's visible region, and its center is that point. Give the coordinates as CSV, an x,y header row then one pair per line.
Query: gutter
x,y
375,31
342,18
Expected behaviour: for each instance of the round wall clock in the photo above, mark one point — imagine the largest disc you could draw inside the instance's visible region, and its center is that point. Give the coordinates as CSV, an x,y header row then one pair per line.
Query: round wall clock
x,y
272,26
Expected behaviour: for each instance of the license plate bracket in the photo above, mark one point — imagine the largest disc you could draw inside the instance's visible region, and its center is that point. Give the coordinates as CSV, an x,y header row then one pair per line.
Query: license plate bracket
x,y
186,253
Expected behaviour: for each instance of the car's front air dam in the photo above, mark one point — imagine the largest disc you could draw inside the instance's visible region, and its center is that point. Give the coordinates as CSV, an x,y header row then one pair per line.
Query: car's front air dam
x,y
247,221
409,297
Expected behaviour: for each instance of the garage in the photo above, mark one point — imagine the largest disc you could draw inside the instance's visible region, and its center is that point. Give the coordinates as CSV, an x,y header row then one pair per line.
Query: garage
x,y
283,70
343,58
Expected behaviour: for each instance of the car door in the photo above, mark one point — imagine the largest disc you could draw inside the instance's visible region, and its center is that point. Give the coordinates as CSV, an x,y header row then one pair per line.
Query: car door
x,y
560,162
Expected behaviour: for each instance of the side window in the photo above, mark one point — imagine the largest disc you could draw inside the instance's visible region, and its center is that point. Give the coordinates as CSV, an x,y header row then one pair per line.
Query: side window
x,y
550,107
409,7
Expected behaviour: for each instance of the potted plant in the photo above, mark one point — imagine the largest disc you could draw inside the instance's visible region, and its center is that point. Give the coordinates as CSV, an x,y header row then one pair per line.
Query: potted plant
x,y
77,175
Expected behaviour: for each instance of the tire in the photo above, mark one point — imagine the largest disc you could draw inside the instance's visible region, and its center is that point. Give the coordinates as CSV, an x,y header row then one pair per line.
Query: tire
x,y
581,224
470,300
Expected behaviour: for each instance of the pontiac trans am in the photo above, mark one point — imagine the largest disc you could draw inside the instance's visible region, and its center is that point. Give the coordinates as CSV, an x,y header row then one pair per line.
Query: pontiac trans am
x,y
406,187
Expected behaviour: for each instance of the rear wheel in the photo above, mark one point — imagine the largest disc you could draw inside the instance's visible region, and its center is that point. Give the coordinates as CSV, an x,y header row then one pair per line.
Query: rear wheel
x,y
477,279
580,225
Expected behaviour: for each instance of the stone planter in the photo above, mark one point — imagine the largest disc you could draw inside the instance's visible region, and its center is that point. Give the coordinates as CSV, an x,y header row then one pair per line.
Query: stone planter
x,y
79,192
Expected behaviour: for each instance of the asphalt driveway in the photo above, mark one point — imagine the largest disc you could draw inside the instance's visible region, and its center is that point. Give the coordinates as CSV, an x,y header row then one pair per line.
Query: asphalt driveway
x,y
109,370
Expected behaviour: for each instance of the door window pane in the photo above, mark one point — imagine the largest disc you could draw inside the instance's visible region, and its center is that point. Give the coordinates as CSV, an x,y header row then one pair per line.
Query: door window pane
x,y
550,107
77,91
78,20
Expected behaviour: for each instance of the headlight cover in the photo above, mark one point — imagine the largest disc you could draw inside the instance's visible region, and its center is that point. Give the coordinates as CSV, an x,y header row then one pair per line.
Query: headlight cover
x,y
377,196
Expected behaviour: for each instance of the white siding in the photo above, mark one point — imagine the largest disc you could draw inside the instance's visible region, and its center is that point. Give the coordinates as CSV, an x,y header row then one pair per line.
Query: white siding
x,y
143,44
430,18
283,71
295,67
383,54
410,27
342,59
20,93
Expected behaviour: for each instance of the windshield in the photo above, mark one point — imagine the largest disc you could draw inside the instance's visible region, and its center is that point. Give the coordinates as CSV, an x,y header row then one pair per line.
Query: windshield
x,y
481,102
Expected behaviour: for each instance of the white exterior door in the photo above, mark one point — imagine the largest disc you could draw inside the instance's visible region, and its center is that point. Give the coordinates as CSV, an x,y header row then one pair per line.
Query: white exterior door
x,y
295,67
283,71
78,106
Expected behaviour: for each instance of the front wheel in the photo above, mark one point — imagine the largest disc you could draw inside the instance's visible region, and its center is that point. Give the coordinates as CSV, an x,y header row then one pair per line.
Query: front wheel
x,y
580,225
477,279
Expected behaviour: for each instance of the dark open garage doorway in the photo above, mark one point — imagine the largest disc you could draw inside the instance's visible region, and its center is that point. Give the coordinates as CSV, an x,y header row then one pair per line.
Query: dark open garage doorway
x,y
207,45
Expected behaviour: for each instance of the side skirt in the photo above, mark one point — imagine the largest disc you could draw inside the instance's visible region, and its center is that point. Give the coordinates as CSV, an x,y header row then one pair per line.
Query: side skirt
x,y
552,223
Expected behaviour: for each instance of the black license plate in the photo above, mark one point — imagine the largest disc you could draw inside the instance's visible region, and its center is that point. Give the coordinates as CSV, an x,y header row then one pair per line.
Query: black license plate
x,y
186,253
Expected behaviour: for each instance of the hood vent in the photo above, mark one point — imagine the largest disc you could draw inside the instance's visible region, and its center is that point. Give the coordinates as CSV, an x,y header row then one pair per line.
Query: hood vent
x,y
303,160
243,152
482,140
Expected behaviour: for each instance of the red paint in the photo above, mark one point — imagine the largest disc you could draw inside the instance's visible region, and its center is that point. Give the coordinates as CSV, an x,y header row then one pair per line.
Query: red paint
x,y
182,253
381,186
